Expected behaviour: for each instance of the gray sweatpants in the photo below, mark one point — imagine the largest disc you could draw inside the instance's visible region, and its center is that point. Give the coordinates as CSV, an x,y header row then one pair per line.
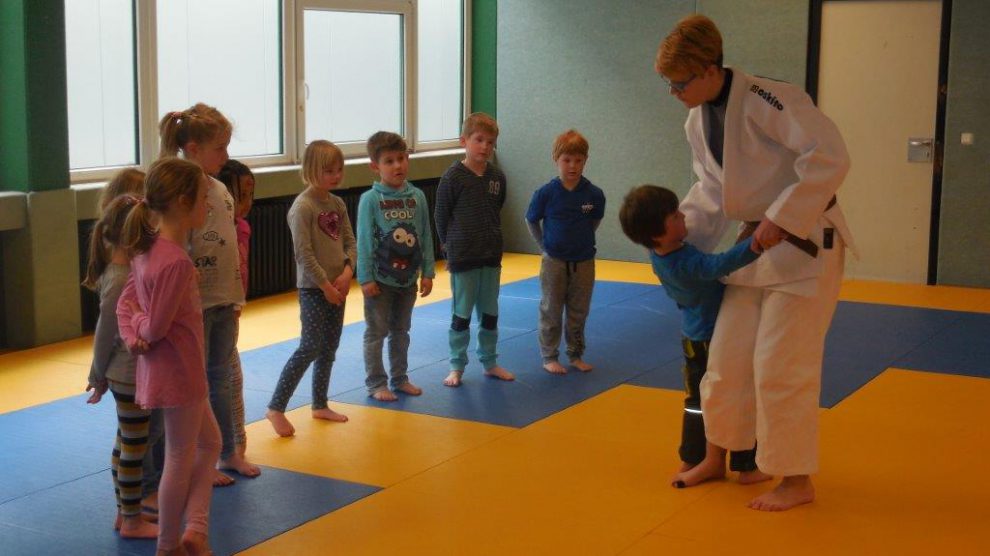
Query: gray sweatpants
x,y
564,286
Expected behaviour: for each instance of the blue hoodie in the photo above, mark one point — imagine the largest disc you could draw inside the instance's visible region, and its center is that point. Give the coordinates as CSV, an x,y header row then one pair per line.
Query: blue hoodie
x,y
394,239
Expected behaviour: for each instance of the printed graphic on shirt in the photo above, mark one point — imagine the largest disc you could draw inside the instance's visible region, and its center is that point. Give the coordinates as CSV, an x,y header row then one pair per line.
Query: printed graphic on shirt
x,y
587,207
398,209
399,255
329,223
494,187
214,236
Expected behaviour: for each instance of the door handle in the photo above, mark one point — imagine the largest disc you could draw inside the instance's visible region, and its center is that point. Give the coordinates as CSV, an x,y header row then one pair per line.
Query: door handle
x,y
920,142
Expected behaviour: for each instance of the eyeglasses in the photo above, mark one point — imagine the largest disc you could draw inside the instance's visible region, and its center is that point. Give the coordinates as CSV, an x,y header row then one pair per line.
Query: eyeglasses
x,y
678,86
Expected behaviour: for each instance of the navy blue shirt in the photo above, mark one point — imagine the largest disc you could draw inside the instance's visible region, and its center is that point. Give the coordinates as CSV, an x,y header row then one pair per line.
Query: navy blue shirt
x,y
690,278
568,218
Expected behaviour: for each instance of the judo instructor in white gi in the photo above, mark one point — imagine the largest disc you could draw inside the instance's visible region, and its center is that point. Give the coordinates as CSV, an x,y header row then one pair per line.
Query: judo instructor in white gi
x,y
768,162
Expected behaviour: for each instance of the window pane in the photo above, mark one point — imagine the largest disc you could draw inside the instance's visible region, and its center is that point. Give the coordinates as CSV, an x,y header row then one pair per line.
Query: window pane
x,y
440,69
99,61
226,53
353,69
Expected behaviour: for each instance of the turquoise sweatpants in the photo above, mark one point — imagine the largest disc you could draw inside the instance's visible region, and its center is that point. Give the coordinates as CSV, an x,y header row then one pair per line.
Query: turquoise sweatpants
x,y
474,290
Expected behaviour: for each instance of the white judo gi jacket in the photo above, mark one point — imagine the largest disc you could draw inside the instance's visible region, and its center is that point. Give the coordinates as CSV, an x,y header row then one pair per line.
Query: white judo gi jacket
x,y
782,159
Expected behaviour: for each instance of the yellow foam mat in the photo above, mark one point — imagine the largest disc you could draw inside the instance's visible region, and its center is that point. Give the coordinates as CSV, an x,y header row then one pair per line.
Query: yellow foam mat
x,y
901,473
377,447
917,295
593,479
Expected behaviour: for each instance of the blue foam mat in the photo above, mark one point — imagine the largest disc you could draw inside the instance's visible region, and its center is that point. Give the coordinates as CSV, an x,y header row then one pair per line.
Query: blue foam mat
x,y
76,517
963,348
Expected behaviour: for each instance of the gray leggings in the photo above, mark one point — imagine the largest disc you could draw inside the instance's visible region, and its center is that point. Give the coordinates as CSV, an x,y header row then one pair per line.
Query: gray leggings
x,y
565,286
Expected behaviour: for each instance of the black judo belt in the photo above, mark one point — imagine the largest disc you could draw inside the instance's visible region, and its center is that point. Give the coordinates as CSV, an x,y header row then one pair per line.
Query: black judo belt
x,y
805,245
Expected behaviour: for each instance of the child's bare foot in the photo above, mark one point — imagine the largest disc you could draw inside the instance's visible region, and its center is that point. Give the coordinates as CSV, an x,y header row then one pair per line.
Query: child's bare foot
x,y
753,477
580,365
500,373
409,388
133,527
384,395
554,368
710,468
792,491
118,521
453,379
221,479
329,415
241,465
196,544
149,507
177,551
241,448
685,466
280,423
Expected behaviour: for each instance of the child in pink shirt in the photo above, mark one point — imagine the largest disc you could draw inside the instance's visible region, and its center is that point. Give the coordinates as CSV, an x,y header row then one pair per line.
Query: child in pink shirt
x,y
160,319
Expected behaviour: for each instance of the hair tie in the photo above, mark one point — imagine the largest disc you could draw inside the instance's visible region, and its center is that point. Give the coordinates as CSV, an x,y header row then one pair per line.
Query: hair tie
x,y
177,116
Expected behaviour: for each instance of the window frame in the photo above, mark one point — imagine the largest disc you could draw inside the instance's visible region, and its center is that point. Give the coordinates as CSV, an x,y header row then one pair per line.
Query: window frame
x,y
293,88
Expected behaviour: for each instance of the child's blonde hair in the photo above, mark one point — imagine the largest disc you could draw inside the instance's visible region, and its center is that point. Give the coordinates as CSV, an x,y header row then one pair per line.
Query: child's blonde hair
x,y
385,141
106,235
569,142
129,181
693,45
200,123
170,180
479,121
319,155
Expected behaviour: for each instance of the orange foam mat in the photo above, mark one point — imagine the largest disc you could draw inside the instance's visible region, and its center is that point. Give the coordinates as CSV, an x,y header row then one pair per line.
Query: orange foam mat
x,y
377,447
917,295
900,474
560,486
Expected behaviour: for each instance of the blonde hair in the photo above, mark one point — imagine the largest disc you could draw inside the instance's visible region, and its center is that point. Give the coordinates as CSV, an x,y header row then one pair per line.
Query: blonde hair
x,y
319,155
106,235
129,181
479,121
569,142
694,44
170,180
200,123
385,141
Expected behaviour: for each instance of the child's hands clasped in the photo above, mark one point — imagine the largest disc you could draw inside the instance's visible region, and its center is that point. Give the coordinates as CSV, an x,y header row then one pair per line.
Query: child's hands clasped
x,y
332,294
342,283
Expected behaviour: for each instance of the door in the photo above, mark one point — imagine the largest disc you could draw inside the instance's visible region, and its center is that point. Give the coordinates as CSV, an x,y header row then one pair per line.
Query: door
x,y
878,80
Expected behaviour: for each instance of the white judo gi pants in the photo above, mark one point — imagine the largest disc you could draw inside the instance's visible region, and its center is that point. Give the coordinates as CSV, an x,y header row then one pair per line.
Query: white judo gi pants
x,y
764,371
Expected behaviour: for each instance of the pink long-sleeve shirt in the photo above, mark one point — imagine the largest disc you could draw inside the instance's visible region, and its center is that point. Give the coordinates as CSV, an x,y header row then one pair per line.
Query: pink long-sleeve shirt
x,y
172,372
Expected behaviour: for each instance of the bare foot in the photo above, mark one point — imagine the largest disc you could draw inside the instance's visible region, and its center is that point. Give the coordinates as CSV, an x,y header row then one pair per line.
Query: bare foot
x,y
149,506
792,491
221,479
580,365
240,448
409,388
753,477
280,423
453,379
133,527
177,551
329,415
196,544
118,521
685,466
500,373
384,395
241,465
554,368
710,468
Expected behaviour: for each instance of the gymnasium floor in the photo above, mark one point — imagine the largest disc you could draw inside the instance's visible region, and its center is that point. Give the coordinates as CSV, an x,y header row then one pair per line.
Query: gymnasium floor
x,y
578,464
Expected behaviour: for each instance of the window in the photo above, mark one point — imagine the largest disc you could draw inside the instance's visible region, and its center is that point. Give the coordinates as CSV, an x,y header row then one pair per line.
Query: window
x,y
100,83
285,72
226,53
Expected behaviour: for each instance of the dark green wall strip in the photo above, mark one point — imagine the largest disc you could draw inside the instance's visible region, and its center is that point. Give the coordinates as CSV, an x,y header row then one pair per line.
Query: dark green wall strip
x,y
484,27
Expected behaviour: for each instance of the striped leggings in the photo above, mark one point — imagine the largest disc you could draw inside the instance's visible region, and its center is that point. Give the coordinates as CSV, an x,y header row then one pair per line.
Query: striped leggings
x,y
126,465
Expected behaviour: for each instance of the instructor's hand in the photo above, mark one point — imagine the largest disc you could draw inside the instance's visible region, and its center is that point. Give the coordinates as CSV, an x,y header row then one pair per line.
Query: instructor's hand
x,y
768,234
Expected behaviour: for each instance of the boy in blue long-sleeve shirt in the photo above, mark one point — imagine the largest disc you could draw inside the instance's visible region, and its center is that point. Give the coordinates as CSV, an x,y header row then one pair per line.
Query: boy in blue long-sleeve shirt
x,y
651,218
395,247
